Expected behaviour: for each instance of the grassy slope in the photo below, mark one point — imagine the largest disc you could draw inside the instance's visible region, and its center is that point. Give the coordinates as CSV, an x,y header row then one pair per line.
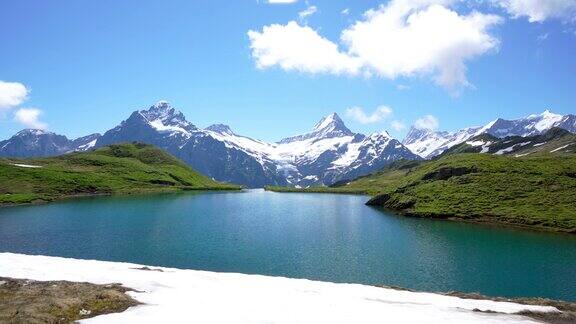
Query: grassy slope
x,y
115,169
535,191
532,191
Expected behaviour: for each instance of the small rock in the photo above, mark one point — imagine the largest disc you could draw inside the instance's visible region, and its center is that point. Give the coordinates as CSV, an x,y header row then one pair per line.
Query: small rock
x,y
84,312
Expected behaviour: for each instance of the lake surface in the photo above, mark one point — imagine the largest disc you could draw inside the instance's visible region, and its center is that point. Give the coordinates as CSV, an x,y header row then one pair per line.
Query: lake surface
x,y
316,236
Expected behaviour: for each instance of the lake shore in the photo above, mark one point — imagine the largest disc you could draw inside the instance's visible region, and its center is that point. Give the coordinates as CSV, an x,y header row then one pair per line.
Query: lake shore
x,y
122,169
167,294
377,201
136,193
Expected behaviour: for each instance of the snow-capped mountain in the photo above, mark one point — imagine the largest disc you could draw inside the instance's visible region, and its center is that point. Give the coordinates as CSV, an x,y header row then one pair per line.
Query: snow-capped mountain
x,y
531,125
331,153
39,143
554,141
163,126
328,127
328,153
429,144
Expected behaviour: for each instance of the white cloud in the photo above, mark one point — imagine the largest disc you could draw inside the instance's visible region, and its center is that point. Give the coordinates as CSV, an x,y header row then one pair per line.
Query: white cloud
x,y
12,94
345,11
281,1
358,114
427,122
299,48
30,118
539,10
405,38
307,13
402,87
397,125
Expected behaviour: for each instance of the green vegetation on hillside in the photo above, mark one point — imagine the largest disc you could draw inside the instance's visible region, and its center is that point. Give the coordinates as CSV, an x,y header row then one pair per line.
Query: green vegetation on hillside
x,y
115,169
537,192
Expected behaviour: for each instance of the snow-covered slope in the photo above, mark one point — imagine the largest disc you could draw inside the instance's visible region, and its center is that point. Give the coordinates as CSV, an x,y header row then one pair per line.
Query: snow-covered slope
x,y
328,153
189,296
554,141
528,126
428,144
39,143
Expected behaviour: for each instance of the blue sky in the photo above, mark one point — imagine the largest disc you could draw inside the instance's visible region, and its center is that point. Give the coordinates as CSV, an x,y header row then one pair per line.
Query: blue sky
x,y
86,65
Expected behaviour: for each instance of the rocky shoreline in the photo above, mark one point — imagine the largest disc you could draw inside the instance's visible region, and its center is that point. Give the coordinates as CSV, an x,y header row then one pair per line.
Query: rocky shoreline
x,y
31,301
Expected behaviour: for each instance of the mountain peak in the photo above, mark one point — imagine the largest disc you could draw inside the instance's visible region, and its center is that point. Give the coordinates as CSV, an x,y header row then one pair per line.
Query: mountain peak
x,y
161,108
383,133
162,103
546,114
330,126
332,120
163,116
32,131
415,134
221,129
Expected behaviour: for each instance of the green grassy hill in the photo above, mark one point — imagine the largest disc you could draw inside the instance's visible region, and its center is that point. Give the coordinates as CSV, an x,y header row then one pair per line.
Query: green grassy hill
x,y
115,169
539,192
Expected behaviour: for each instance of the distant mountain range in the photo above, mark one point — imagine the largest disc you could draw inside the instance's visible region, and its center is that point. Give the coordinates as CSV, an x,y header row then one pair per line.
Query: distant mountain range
x,y
428,143
556,141
329,153
39,143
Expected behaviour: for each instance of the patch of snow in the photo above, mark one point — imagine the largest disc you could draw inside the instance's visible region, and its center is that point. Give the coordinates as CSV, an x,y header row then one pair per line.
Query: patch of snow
x,y
561,148
27,166
511,148
539,144
308,149
351,155
87,146
160,127
486,147
174,295
505,150
547,120
475,143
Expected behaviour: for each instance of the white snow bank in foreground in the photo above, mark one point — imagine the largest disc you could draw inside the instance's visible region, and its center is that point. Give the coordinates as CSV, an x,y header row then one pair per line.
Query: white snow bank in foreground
x,y
189,296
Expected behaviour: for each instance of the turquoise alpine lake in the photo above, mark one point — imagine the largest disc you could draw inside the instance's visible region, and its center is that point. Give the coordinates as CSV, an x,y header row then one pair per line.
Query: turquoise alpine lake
x,y
316,236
